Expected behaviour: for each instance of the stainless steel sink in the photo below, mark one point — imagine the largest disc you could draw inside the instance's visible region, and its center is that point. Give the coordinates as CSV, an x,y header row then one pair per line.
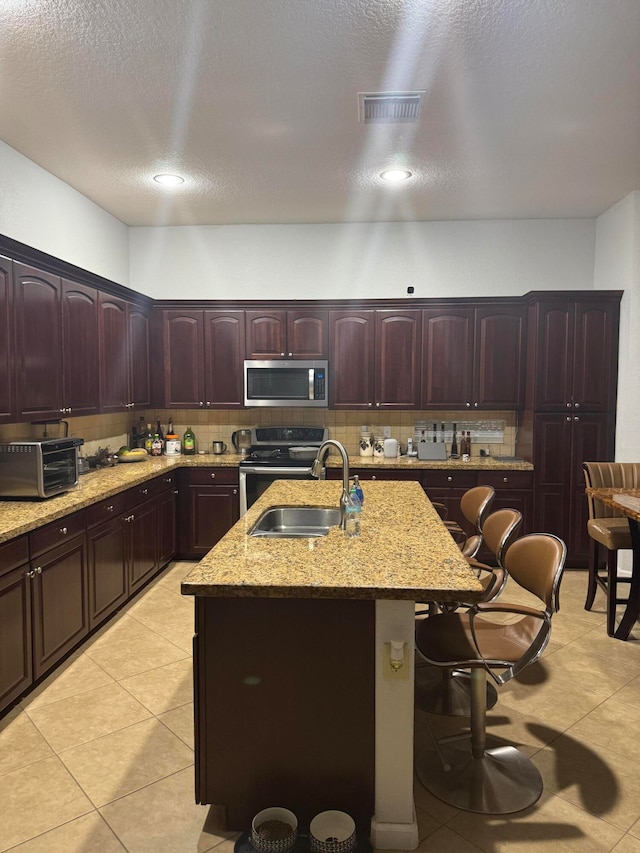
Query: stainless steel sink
x,y
289,522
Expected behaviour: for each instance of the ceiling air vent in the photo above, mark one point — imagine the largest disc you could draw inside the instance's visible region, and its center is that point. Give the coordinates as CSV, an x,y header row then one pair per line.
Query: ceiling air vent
x,y
390,107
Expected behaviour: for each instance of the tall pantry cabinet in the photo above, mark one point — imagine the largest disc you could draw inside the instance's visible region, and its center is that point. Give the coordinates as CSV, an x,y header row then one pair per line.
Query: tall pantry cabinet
x,y
569,416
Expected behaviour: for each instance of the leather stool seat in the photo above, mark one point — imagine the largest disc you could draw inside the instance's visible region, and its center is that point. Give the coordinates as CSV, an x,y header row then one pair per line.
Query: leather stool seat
x,y
613,533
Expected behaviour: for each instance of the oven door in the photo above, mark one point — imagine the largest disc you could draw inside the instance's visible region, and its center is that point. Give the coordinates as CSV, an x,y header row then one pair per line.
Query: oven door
x,y
255,480
59,471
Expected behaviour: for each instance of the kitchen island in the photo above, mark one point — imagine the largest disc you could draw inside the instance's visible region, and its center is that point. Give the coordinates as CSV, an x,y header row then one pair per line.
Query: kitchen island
x,y
296,703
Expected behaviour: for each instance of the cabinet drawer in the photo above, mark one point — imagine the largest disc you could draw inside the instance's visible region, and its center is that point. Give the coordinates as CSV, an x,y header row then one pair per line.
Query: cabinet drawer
x,y
13,554
383,474
106,510
166,482
140,493
449,479
56,533
213,476
506,479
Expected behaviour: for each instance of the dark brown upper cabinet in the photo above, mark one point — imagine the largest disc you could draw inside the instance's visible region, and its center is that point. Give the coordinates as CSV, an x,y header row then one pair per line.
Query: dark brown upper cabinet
x,y
79,349
576,355
374,359
7,386
124,355
203,359
286,334
38,344
473,358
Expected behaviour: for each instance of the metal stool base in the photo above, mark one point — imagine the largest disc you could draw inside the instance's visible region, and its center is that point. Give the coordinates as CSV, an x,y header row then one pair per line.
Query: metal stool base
x,y
501,782
446,692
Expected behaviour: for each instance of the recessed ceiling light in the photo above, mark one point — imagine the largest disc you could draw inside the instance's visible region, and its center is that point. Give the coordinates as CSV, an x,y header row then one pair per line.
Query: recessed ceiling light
x,y
169,180
395,176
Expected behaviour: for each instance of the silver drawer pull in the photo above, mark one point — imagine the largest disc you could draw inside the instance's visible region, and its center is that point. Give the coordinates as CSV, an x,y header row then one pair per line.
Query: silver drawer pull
x,y
109,508
213,476
144,491
38,570
64,531
449,479
29,574
505,479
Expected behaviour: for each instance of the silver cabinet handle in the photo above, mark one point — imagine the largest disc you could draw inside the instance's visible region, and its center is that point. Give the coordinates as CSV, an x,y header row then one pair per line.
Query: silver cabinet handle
x,y
576,405
576,419
202,402
38,570
468,405
449,479
109,508
569,420
475,405
64,531
213,476
378,405
290,355
373,477
235,491
29,574
369,404
282,355
568,405
144,491
175,491
505,479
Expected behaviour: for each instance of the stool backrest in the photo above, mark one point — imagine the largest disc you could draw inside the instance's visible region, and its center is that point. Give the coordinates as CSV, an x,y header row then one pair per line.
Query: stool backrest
x,y
536,562
475,505
499,531
600,475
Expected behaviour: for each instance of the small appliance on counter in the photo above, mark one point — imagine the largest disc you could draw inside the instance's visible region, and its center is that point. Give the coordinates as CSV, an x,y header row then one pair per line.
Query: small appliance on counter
x,y
39,468
241,440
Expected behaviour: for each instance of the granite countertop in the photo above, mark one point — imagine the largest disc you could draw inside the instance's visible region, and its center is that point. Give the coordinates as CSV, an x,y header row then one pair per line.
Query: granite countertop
x,y
403,552
408,463
18,517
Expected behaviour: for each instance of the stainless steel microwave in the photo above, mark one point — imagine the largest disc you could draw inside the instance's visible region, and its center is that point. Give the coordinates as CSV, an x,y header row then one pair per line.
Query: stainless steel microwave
x,y
286,383
38,469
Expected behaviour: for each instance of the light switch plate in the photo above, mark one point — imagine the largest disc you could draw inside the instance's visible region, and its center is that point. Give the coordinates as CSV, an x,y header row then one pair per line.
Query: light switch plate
x,y
386,432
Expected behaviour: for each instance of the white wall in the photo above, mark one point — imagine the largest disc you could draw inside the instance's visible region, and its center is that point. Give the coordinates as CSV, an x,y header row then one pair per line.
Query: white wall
x,y
42,211
617,267
377,260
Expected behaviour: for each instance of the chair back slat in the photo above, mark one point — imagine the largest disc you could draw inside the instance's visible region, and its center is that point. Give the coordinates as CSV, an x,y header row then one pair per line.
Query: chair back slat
x,y
603,475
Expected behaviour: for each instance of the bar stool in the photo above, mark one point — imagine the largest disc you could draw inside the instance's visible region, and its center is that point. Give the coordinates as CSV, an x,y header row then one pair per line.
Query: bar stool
x,y
475,505
460,769
609,530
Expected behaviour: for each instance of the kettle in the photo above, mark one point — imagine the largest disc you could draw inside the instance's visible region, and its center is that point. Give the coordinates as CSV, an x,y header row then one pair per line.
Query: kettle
x,y
241,440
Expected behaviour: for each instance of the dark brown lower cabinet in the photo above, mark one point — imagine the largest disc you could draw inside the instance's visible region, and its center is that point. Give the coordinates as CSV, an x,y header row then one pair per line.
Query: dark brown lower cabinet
x,y
16,666
562,443
108,586
60,602
209,507
167,525
447,487
141,542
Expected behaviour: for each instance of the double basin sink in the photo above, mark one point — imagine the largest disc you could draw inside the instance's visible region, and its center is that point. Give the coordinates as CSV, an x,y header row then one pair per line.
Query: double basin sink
x,y
296,522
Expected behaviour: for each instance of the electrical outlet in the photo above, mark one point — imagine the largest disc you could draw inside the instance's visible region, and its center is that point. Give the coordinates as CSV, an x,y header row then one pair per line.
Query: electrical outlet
x,y
390,673
386,432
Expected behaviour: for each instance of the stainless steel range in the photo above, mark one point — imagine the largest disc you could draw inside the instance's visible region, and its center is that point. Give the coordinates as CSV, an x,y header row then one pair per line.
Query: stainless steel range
x,y
277,453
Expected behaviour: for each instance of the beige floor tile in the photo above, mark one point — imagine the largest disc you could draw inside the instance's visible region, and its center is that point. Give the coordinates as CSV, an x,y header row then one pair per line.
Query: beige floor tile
x,y
592,672
630,693
552,824
83,718
132,648
123,762
592,777
180,721
610,725
162,600
628,844
175,573
87,834
37,798
162,818
427,823
77,675
614,651
20,742
163,689
445,840
425,801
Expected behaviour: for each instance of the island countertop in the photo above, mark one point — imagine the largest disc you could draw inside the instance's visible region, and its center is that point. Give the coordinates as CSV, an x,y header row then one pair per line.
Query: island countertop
x,y
404,552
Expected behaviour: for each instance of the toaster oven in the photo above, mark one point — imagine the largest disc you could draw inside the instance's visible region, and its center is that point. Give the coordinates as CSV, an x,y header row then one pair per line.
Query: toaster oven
x,y
38,469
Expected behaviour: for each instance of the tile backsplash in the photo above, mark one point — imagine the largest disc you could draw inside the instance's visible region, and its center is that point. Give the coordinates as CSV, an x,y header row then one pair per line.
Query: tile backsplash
x,y
113,429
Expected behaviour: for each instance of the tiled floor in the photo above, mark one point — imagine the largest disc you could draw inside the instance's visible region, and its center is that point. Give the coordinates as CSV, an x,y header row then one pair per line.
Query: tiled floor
x,y
100,756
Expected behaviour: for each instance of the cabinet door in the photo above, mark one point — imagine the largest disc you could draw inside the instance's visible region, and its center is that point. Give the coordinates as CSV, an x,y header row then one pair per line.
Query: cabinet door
x,y
7,399
266,334
592,438
447,358
398,339
16,672
224,348
552,474
60,602
114,356
555,353
351,354
139,356
499,363
38,343
167,531
595,356
208,513
79,348
108,587
142,536
184,359
307,334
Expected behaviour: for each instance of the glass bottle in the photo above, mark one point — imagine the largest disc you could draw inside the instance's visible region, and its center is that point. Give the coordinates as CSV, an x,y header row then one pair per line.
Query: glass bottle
x,y
189,442
159,432
454,440
148,439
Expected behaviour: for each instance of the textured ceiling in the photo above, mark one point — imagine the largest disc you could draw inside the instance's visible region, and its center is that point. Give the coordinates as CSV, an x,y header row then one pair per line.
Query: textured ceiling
x,y
532,106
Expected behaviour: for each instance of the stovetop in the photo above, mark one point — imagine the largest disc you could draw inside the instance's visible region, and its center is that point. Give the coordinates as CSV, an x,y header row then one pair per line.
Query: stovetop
x,y
270,445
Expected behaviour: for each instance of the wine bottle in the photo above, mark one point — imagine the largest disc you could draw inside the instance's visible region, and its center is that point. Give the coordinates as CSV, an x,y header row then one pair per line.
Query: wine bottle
x,y
454,441
189,442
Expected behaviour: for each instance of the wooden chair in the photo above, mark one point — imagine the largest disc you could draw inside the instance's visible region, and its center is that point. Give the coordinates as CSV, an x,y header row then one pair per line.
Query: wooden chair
x,y
608,530
460,769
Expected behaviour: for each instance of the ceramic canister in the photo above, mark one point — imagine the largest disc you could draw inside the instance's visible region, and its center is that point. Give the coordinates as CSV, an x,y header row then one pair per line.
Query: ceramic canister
x,y
366,444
